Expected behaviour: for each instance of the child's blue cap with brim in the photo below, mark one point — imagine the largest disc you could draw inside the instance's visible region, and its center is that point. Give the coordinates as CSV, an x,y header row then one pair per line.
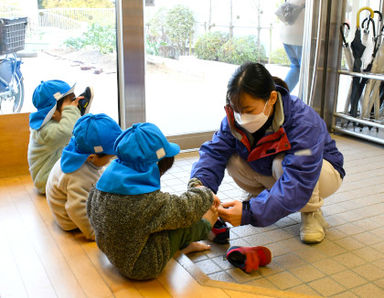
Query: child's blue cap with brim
x,y
91,134
45,98
138,149
144,143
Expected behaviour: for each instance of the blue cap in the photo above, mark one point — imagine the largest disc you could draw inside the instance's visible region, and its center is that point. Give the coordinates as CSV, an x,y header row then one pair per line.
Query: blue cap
x,y
139,148
91,134
144,143
45,98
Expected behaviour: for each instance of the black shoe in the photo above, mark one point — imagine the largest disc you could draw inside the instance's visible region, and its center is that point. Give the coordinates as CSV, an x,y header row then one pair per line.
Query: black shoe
x,y
85,103
221,232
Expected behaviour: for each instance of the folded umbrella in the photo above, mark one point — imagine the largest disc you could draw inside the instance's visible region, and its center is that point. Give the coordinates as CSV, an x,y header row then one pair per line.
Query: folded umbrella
x,y
357,50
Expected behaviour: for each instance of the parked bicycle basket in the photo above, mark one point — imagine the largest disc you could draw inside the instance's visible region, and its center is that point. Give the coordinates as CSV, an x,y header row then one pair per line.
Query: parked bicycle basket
x,y
12,35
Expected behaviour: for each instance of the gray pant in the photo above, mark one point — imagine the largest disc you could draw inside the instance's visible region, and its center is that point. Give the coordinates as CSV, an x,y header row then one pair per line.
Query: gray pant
x,y
254,183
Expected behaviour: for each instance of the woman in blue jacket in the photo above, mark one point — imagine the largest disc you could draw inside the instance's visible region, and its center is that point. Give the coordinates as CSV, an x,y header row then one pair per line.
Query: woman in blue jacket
x,y
277,149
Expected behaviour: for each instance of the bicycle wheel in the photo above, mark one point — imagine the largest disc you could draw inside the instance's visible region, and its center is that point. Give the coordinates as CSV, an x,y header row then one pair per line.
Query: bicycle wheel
x,y
12,101
18,95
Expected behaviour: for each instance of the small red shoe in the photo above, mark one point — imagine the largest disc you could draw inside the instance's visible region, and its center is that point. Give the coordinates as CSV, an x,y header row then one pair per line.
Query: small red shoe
x,y
249,258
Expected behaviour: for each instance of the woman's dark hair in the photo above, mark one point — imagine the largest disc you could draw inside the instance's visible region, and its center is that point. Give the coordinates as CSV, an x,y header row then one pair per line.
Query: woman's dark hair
x,y
251,78
280,82
165,164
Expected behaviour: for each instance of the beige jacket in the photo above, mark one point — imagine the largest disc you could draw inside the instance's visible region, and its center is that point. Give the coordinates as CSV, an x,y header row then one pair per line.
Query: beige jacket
x,y
67,196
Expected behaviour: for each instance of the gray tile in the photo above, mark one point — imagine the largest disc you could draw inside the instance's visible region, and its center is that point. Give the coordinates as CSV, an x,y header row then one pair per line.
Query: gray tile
x,y
349,260
329,266
221,276
290,260
217,250
369,254
304,290
369,290
272,268
329,248
346,294
326,286
369,272
349,243
242,277
284,280
208,266
307,273
380,283
367,238
263,283
198,256
243,231
222,262
310,254
349,279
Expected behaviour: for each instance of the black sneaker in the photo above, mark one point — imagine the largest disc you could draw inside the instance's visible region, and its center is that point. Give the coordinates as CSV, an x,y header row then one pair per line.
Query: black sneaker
x,y
85,103
220,232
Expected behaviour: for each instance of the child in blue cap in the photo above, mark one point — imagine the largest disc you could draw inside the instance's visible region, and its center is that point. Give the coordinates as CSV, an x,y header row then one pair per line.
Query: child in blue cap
x,y
51,126
137,226
72,176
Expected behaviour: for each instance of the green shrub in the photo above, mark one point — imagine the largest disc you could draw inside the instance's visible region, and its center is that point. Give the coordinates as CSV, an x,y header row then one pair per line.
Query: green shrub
x,y
208,45
242,49
280,57
155,37
179,23
76,43
101,38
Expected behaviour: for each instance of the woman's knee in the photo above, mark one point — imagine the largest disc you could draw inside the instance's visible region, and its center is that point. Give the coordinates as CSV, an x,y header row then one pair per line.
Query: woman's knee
x,y
277,166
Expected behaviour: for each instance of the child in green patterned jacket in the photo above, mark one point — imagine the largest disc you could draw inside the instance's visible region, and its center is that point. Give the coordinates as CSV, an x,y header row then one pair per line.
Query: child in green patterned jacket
x,y
137,226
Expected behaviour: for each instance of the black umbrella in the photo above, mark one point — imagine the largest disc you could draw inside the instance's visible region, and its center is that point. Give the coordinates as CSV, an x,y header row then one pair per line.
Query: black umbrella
x,y
357,50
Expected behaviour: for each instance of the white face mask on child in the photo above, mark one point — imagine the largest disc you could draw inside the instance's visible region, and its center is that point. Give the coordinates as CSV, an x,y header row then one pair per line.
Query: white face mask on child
x,y
251,122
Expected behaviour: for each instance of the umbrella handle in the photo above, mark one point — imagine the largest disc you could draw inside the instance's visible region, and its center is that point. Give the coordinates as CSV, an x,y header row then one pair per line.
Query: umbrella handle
x,y
380,14
342,32
358,15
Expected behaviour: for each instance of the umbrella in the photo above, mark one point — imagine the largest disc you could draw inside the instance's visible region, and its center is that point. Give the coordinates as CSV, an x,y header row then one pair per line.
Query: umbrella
x,y
348,59
357,50
373,91
346,48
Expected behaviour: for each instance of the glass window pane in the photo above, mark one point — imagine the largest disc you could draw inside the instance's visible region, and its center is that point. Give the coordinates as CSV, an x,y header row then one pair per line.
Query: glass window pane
x,y
73,41
193,48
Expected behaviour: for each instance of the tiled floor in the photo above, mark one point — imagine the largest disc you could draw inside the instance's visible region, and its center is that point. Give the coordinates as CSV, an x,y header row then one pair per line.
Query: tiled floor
x,y
348,263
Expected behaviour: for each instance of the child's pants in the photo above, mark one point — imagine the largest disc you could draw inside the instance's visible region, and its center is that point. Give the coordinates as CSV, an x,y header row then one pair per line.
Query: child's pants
x,y
254,183
181,238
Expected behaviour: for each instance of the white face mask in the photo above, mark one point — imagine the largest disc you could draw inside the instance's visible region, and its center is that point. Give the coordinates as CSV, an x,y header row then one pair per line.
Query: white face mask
x,y
251,122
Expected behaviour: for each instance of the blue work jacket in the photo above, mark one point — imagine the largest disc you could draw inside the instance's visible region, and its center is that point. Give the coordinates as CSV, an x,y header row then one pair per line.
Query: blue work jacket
x,y
303,138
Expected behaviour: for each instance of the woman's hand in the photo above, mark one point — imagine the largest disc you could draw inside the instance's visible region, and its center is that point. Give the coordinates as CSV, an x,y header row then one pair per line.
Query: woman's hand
x,y
231,212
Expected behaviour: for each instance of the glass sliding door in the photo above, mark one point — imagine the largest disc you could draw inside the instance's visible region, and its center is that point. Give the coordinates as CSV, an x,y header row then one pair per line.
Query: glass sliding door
x,y
191,50
74,41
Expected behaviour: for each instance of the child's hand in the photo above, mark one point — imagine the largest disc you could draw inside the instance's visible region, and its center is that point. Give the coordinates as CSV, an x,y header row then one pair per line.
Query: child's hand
x,y
211,215
75,102
216,200
69,102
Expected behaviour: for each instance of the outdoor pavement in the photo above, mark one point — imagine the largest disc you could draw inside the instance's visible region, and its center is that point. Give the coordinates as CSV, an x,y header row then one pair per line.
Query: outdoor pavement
x,y
48,67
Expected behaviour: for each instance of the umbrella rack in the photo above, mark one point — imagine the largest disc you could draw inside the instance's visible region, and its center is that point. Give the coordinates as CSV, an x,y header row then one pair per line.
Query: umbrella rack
x,y
369,129
363,115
